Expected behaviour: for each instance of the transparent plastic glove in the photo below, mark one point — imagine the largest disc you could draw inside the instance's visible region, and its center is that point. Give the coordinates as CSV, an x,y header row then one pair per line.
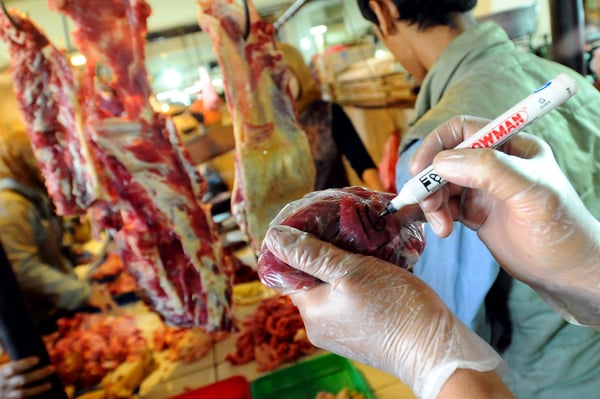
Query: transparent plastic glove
x,y
524,209
376,313
18,379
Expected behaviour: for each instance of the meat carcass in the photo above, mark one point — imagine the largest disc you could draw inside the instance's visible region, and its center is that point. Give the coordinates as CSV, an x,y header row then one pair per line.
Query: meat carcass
x,y
166,237
273,162
49,98
273,335
348,218
88,346
168,241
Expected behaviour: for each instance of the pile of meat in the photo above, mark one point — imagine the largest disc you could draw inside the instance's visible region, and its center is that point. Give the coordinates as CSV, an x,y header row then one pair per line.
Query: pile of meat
x,y
272,156
88,346
272,335
100,145
348,218
182,344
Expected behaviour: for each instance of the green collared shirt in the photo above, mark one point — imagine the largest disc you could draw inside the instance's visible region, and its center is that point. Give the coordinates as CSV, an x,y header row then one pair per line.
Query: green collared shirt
x,y
481,73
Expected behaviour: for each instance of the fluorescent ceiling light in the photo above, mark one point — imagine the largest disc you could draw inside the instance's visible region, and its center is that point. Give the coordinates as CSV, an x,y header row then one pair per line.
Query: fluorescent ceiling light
x,y
78,59
171,77
305,43
317,30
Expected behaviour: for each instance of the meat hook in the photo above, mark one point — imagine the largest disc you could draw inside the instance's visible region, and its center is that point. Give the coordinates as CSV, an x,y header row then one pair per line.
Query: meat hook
x,y
246,19
10,18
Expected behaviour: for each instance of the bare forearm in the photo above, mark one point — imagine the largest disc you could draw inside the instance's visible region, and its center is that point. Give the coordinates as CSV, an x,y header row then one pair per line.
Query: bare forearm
x,y
471,384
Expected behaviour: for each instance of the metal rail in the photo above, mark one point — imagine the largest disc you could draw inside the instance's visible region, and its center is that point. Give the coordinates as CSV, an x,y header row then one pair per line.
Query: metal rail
x,y
10,18
287,14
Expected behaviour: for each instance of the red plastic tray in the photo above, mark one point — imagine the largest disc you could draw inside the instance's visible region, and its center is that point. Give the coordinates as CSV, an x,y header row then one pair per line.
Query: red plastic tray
x,y
236,387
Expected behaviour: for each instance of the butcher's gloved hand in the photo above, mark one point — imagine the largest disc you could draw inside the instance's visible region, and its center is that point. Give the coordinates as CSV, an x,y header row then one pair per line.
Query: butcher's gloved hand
x,y
15,375
379,314
524,209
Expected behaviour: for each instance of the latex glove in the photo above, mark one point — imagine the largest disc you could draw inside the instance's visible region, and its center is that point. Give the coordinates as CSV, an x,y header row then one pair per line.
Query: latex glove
x,y
524,209
379,314
15,375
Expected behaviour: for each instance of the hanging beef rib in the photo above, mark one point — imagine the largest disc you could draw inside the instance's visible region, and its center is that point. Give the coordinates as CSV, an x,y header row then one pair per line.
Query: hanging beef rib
x,y
166,236
49,97
273,163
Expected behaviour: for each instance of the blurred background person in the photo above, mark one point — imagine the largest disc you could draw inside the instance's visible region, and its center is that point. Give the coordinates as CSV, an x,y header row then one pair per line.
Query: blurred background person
x,y
32,236
20,379
330,131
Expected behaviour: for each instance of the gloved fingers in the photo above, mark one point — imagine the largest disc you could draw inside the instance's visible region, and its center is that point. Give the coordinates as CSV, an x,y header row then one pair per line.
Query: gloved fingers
x,y
441,209
441,220
306,253
444,137
501,175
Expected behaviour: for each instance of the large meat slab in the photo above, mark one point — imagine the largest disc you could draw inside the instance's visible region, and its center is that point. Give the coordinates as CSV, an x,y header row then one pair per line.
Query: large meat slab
x,y
49,99
348,218
148,190
273,162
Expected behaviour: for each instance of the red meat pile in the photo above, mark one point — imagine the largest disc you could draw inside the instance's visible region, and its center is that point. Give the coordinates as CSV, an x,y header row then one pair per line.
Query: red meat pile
x,y
273,335
88,346
182,344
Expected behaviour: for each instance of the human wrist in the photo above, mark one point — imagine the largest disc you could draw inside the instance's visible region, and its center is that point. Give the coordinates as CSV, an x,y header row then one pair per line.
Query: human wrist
x,y
440,345
573,292
473,384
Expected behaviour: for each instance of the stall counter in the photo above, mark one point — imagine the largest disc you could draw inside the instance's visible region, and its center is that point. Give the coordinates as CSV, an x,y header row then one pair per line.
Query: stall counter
x,y
175,378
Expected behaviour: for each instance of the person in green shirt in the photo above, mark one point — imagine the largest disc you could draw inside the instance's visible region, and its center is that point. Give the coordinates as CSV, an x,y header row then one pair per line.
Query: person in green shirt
x,y
31,233
466,68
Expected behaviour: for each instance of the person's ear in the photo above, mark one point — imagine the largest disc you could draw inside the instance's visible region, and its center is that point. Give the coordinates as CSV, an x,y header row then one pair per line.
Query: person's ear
x,y
387,15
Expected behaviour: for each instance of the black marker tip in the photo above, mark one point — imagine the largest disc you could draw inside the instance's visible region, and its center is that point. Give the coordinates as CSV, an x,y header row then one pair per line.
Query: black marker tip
x,y
387,211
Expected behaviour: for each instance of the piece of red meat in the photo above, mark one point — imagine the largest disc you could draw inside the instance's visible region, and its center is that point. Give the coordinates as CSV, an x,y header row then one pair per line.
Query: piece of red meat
x,y
101,146
273,334
166,236
273,162
48,94
348,218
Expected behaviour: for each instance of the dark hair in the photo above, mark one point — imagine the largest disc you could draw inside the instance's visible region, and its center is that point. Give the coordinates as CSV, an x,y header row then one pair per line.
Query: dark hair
x,y
424,13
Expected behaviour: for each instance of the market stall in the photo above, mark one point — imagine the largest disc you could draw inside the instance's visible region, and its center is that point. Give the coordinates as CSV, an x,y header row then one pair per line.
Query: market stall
x,y
131,352
178,190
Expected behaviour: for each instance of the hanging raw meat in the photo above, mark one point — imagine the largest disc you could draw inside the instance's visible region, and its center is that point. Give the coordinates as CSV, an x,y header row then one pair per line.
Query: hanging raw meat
x,y
168,241
349,218
49,97
273,162
167,238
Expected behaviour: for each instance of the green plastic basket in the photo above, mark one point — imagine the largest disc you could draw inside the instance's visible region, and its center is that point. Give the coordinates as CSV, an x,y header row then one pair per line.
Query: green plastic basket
x,y
330,373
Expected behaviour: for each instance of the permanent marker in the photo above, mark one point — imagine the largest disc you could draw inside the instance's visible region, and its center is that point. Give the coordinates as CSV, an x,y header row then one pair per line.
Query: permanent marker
x,y
513,121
